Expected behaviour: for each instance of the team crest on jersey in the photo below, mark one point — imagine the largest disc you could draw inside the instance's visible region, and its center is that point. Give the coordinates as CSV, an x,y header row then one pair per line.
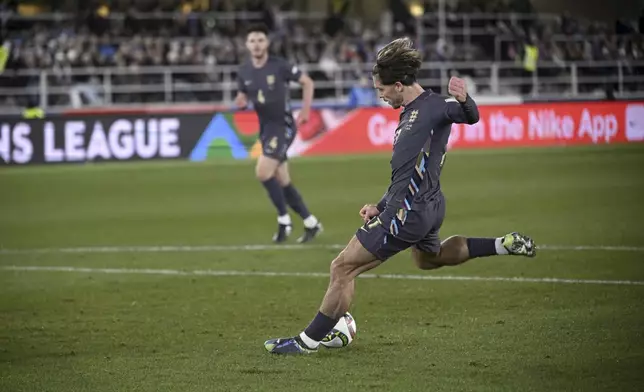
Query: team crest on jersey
x,y
412,118
270,79
406,126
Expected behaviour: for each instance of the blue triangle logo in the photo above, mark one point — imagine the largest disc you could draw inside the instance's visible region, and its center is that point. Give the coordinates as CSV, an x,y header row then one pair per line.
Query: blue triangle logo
x,y
218,129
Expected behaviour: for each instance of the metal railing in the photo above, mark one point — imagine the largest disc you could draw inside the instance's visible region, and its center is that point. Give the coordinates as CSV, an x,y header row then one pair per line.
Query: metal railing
x,y
557,39
80,87
462,26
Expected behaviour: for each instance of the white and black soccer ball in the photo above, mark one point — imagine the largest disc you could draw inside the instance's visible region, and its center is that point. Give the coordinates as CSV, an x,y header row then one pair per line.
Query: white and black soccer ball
x,y
342,334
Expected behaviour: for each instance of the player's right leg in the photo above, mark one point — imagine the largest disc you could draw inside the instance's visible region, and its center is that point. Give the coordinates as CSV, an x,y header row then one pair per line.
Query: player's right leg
x,y
312,227
350,263
265,172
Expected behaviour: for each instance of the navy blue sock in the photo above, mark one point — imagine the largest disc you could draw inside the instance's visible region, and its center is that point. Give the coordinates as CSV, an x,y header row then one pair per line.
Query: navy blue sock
x,y
295,201
481,247
276,194
320,326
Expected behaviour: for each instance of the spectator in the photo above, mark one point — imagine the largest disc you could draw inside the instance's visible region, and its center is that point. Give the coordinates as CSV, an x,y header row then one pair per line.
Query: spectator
x,y
341,47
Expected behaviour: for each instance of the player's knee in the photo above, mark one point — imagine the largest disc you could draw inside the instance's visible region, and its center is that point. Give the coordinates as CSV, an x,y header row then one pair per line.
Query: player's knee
x,y
340,269
262,174
261,177
425,260
283,180
454,250
426,266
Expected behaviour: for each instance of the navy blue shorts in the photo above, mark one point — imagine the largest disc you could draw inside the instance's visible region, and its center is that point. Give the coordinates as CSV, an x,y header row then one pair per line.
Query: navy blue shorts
x,y
393,231
275,144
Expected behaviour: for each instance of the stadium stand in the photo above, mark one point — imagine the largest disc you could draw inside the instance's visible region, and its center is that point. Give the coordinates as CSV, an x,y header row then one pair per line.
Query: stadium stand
x,y
172,51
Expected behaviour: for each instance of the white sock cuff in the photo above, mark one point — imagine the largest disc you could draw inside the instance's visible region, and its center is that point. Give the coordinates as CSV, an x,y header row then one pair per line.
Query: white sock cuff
x,y
310,222
284,220
500,249
310,343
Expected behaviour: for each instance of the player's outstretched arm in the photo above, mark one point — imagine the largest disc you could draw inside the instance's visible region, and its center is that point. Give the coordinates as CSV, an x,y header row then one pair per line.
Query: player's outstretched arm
x,y
464,111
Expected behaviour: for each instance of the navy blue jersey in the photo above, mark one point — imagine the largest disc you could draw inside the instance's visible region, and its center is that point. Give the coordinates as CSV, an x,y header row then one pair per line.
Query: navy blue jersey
x,y
268,90
419,149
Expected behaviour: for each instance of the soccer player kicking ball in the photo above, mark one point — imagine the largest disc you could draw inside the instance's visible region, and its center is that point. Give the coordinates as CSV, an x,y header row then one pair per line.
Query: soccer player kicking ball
x,y
264,81
411,213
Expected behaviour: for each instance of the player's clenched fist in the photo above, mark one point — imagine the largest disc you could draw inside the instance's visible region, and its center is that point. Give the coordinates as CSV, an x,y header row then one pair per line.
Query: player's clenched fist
x,y
369,211
457,89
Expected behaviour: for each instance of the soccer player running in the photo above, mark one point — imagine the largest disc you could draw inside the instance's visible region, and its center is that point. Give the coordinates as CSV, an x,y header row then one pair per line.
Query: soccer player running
x,y
411,212
264,81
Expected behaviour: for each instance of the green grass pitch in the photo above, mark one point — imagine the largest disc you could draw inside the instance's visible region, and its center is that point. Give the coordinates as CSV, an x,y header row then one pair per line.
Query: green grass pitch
x,y
142,319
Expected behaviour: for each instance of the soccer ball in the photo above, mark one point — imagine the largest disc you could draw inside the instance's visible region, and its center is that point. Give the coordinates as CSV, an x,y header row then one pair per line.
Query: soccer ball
x,y
342,334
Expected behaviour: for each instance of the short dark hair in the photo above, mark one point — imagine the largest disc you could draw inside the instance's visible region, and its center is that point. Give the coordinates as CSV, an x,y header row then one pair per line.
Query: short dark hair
x,y
398,61
257,28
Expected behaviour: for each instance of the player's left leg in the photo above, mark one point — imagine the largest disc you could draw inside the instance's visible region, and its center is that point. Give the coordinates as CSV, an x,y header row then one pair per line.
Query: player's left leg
x,y
431,253
458,249
265,171
312,227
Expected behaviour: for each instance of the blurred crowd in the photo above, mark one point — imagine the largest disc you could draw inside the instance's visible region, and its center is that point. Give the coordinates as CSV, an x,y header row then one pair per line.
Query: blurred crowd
x,y
179,33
